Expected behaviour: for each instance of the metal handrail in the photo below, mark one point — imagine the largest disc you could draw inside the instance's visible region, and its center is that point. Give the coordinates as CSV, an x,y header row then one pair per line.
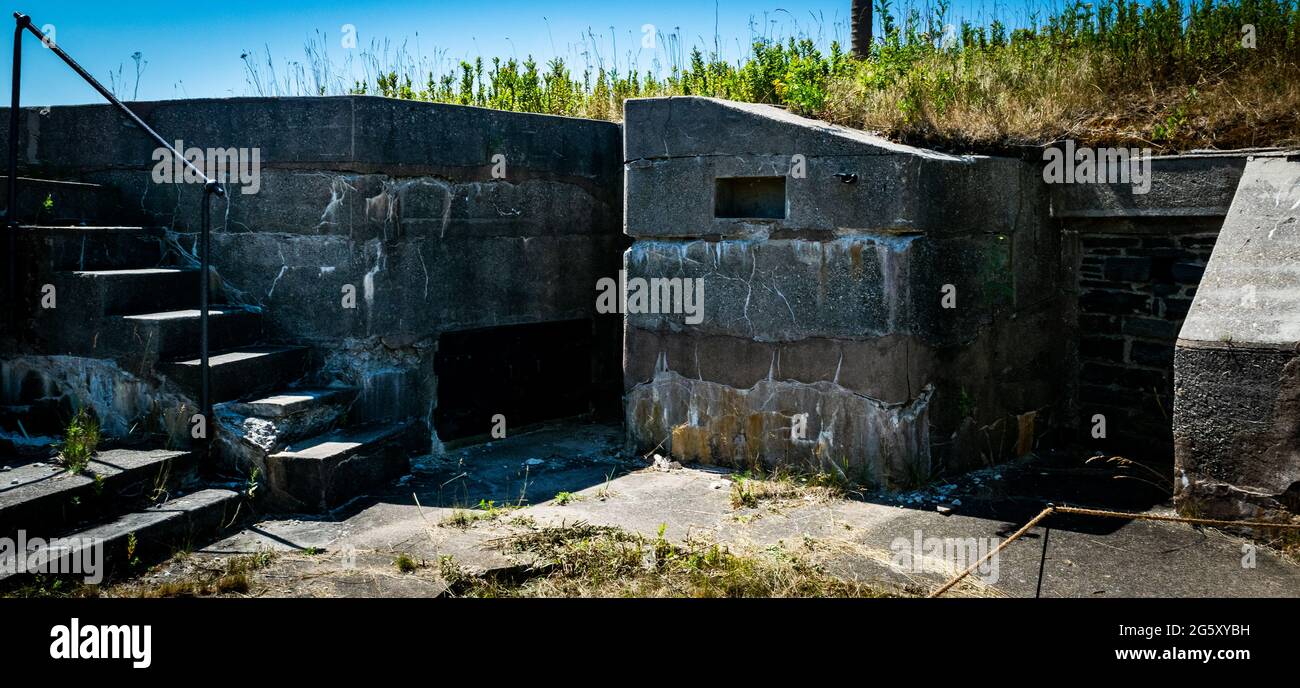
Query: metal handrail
x,y
210,187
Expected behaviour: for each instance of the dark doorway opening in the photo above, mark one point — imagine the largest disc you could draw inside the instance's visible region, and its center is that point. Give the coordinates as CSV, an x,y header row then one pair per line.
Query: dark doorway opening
x,y
527,373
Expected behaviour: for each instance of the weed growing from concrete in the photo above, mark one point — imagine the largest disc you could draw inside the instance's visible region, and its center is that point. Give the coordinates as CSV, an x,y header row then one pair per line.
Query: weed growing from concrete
x,y
405,563
80,441
485,510
131,544
565,498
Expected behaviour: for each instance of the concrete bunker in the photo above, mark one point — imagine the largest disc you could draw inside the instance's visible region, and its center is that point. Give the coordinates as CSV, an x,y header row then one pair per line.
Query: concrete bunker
x,y
868,308
826,256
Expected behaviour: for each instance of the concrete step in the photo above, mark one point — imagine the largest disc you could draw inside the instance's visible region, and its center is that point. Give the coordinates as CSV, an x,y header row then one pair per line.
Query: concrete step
x,y
52,202
97,293
136,539
292,402
239,373
45,248
43,499
141,340
323,472
290,415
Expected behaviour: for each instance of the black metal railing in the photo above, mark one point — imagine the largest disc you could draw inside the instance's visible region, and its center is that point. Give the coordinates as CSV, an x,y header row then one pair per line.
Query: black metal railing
x,y
210,188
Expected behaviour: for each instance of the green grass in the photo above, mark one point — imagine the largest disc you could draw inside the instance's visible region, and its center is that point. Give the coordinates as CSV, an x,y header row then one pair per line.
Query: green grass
x,y
80,441
566,498
1170,75
485,510
405,563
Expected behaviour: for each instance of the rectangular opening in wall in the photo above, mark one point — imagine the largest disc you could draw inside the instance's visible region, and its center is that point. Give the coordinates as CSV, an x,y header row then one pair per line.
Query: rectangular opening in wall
x,y
526,373
750,197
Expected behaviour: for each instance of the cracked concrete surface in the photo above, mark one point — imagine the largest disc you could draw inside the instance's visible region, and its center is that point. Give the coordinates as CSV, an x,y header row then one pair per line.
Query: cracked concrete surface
x,y
351,552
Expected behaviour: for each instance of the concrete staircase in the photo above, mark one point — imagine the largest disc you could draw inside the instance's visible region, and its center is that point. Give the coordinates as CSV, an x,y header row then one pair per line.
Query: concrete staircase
x,y
127,293
141,505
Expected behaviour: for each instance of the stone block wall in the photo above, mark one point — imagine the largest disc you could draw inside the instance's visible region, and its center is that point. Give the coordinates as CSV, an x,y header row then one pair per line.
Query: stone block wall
x,y
1136,261
1134,291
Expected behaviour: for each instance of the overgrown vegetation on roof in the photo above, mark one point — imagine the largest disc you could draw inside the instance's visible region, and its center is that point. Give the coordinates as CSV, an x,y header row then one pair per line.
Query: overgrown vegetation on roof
x,y
1167,74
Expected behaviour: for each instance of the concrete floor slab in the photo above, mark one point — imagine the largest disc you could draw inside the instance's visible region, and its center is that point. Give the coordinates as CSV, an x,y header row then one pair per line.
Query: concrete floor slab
x,y
870,538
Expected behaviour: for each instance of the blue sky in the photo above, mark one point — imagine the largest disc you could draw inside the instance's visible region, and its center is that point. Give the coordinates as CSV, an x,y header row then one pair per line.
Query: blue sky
x,y
193,49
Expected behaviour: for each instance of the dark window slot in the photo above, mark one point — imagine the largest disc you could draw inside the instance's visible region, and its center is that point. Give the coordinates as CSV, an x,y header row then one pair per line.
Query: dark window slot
x,y
750,197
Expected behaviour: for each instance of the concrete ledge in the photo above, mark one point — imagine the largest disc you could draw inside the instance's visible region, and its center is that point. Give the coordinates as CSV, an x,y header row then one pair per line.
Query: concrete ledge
x,y
834,179
329,132
1181,186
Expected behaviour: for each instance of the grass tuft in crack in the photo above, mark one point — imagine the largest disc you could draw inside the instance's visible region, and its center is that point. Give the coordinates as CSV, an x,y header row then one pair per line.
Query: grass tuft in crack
x,y
749,489
485,510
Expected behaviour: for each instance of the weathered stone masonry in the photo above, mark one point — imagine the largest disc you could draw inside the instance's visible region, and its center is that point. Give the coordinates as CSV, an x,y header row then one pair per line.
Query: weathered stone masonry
x,y
1137,260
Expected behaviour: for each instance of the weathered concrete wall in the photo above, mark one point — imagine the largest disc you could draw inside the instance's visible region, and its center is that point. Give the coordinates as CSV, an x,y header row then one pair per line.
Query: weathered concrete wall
x,y
835,307
1133,262
1237,365
436,218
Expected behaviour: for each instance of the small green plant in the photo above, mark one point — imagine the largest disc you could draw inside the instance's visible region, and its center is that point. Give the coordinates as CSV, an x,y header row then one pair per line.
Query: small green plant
x,y
250,562
131,544
251,485
565,498
159,494
454,575
79,442
405,563
742,494
485,510
603,493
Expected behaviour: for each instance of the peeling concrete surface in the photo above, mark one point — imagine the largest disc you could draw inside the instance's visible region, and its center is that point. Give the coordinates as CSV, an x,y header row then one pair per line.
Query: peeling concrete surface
x,y
860,438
